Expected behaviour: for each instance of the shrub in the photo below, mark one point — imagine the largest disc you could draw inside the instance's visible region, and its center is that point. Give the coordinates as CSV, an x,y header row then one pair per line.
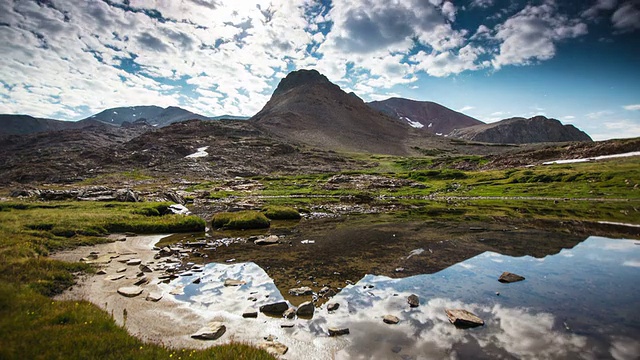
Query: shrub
x,y
281,213
240,220
157,209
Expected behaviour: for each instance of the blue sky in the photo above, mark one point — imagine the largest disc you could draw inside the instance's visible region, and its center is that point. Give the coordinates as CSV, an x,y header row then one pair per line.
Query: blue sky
x,y
577,61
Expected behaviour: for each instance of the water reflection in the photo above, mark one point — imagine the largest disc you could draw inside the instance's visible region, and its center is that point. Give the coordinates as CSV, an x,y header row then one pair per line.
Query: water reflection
x,y
579,303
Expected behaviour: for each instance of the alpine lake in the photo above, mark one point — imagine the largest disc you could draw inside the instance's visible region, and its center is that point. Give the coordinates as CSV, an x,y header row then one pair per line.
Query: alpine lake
x,y
578,299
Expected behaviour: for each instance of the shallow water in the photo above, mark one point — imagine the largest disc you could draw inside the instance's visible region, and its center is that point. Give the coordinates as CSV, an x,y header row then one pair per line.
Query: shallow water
x,y
579,303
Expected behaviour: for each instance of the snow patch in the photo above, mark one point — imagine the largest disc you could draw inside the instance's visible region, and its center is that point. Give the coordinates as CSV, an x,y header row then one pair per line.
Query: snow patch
x,y
202,152
414,124
430,125
595,158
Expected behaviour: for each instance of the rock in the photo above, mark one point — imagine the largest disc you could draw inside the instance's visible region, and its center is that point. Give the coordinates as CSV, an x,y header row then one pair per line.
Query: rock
x,y
463,318
413,300
126,195
101,272
250,313
273,347
121,270
306,309
143,280
286,325
133,262
273,239
196,281
275,308
210,332
115,277
178,290
396,349
301,291
333,306
508,277
130,291
154,297
145,268
290,313
179,209
333,331
232,282
390,319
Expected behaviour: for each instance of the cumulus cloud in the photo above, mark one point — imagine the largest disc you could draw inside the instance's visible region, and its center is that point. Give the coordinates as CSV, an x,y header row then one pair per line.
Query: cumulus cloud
x,y
634,107
449,62
627,17
531,35
599,7
482,3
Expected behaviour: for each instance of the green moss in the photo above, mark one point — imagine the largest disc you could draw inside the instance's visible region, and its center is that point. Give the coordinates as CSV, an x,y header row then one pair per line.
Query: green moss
x,y
281,213
240,220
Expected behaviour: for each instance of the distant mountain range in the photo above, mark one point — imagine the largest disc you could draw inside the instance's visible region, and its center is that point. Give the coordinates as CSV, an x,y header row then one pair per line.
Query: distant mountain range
x,y
425,115
306,108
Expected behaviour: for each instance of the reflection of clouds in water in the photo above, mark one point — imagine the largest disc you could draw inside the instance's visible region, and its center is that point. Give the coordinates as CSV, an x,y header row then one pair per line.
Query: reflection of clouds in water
x,y
531,336
624,348
632,263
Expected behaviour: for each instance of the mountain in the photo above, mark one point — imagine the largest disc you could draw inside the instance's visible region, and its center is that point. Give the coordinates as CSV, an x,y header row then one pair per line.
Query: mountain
x,y
25,124
154,115
307,108
425,115
537,129
230,117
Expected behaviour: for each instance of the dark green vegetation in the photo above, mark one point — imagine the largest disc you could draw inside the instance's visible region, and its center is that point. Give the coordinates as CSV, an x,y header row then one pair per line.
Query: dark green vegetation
x,y
33,326
275,212
240,220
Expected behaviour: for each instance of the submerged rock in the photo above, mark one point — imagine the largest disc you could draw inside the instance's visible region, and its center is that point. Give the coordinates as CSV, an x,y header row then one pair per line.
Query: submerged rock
x,y
301,291
413,300
233,282
130,291
463,318
273,347
275,308
333,306
334,331
508,277
306,309
390,319
250,313
212,331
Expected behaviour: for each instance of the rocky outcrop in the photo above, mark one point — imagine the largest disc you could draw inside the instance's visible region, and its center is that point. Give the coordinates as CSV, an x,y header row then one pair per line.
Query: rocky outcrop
x,y
463,318
537,129
413,300
212,331
508,277
274,309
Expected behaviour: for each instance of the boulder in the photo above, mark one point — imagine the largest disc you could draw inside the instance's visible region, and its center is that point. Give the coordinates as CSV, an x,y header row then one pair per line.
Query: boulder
x,y
463,318
275,308
301,291
250,313
154,296
273,239
233,282
126,195
212,331
133,262
130,291
273,347
306,309
333,306
145,268
390,319
413,300
335,331
508,277
143,280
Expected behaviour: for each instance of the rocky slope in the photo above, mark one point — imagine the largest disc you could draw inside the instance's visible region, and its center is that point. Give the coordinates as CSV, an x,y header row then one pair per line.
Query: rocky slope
x,y
25,124
425,115
154,115
537,129
307,108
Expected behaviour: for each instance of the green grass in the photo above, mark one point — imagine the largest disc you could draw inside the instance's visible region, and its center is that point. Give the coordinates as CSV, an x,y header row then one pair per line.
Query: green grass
x,y
32,326
240,220
281,213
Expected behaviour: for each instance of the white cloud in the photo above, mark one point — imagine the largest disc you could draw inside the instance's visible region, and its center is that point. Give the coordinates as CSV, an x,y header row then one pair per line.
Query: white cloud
x,y
627,17
482,3
598,7
466,108
634,107
599,114
449,63
532,33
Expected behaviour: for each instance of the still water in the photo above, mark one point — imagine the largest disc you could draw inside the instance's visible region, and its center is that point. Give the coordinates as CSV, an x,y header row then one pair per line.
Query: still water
x,y
580,303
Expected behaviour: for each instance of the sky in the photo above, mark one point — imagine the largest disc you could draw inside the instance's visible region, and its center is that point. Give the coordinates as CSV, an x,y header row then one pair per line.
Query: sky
x,y
574,60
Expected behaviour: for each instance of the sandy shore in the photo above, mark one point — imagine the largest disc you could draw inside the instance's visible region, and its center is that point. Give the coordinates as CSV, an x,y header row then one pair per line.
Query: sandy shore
x,y
169,321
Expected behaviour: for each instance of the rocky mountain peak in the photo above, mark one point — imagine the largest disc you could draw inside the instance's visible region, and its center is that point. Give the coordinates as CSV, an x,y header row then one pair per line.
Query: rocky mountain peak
x,y
300,78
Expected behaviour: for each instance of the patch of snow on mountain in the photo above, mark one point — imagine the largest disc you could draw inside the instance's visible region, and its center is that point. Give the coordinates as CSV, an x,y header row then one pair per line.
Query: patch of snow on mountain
x,y
595,158
414,124
202,152
430,125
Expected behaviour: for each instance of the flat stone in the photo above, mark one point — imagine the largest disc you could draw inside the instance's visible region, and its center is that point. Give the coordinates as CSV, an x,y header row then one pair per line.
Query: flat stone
x,y
273,239
287,325
413,300
275,308
233,282
133,262
463,318
121,270
143,280
333,306
178,290
250,313
306,309
508,277
334,331
145,268
154,296
115,277
101,272
274,348
301,291
130,291
390,319
196,281
212,331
